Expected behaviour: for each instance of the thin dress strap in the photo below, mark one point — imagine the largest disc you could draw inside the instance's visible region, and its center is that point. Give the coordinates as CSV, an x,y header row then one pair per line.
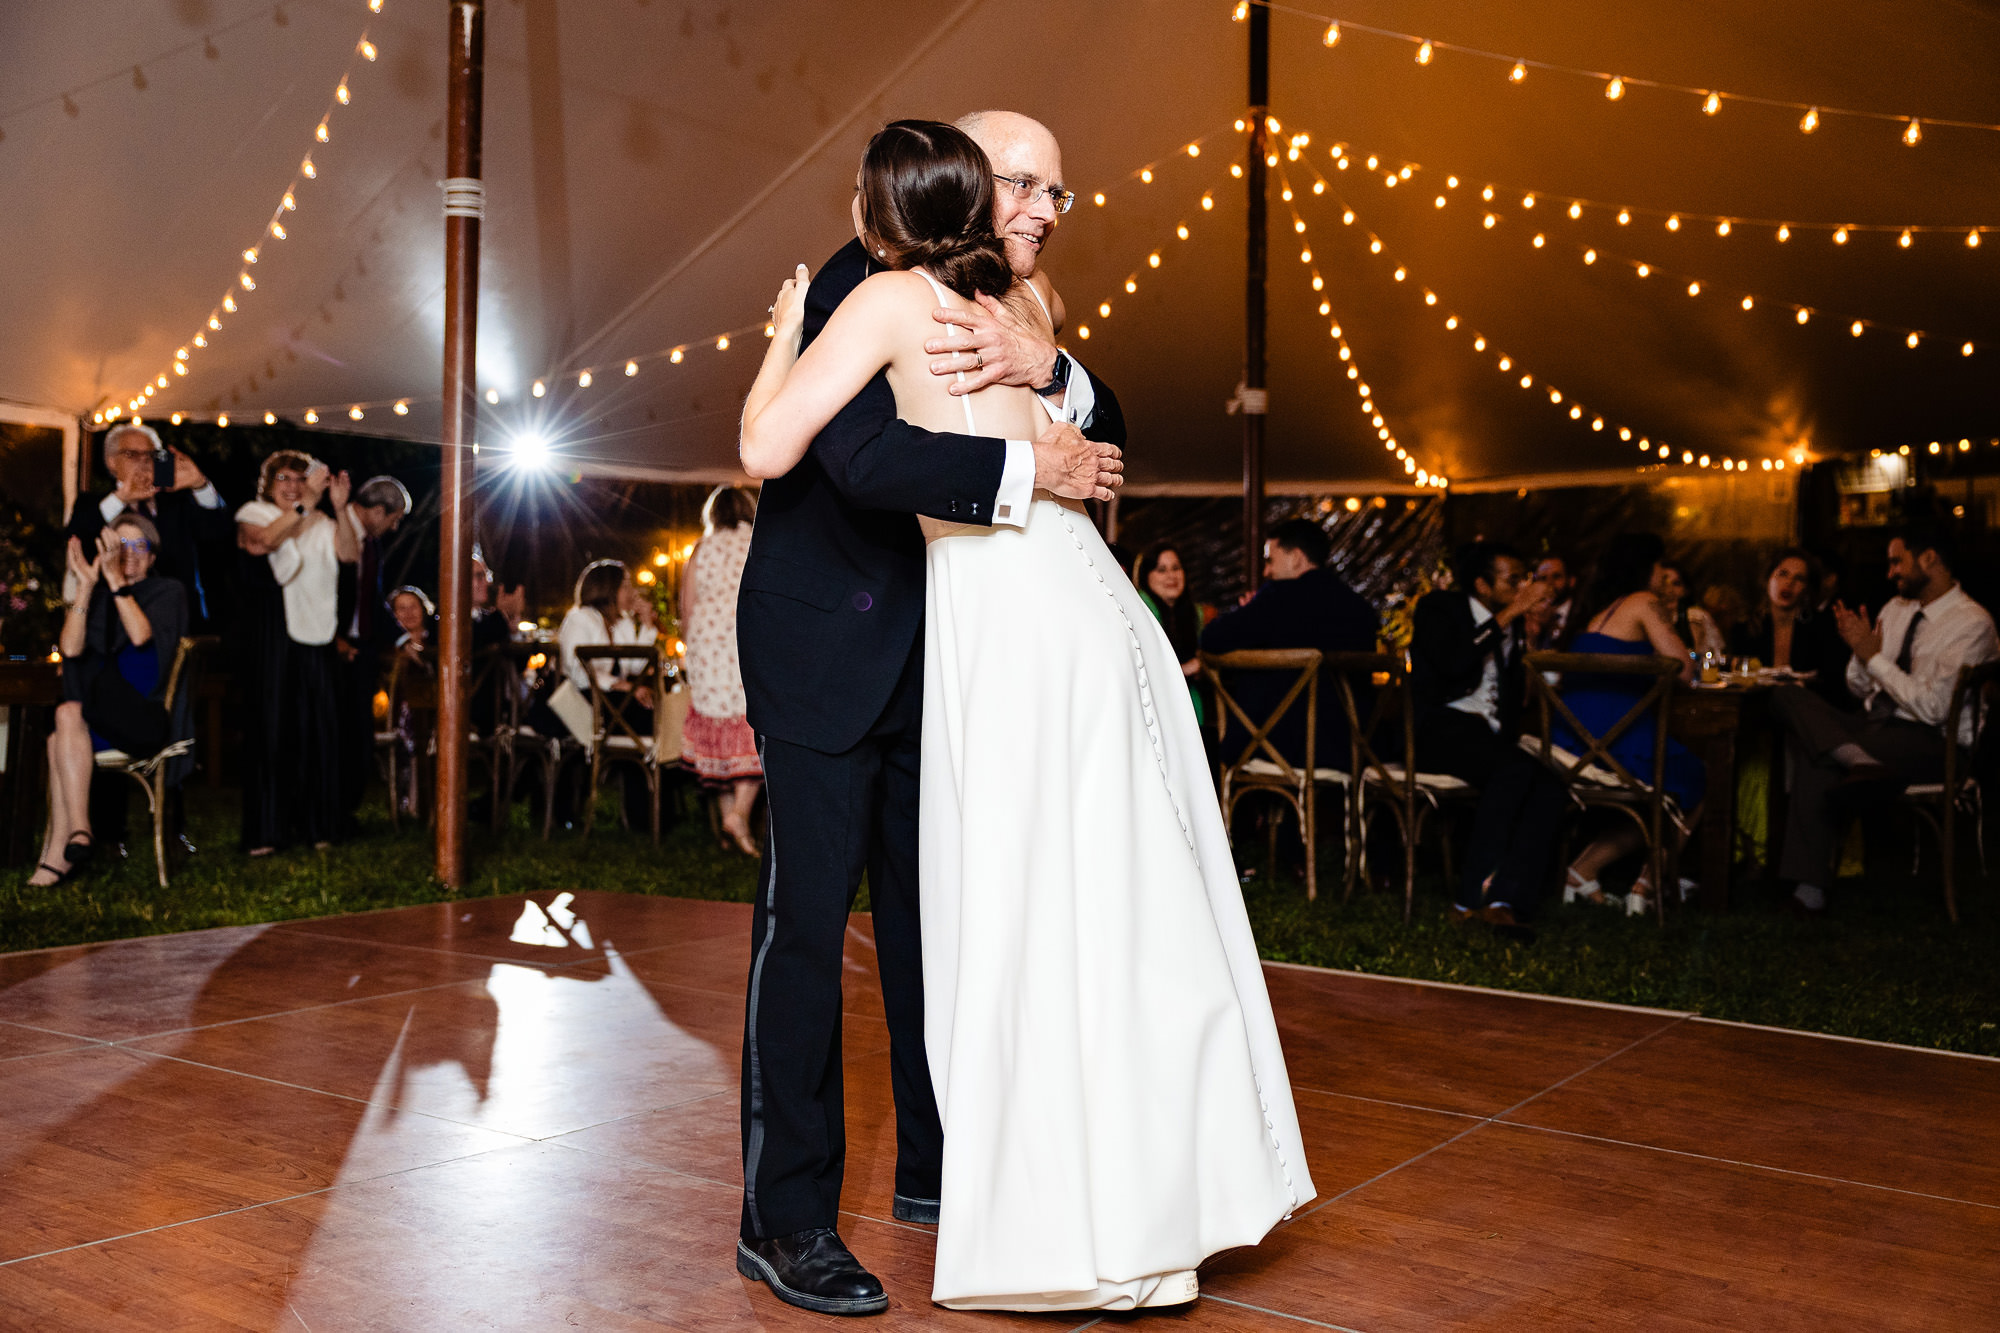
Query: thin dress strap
x,y
971,428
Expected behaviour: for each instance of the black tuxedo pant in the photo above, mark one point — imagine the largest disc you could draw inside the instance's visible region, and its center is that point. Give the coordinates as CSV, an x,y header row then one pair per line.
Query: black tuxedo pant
x,y
833,817
1521,808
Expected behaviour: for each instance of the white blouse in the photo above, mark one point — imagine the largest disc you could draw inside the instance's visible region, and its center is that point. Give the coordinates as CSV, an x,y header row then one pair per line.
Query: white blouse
x,y
307,567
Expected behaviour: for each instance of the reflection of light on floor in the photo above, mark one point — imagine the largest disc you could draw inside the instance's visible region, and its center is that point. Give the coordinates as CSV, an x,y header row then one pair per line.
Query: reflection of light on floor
x,y
554,927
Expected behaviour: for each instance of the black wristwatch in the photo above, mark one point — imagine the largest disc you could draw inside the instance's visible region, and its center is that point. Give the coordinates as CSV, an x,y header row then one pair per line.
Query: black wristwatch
x,y
1058,382
125,591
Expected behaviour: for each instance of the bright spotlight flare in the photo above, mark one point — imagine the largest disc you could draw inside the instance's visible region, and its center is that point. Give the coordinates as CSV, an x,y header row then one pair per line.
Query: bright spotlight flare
x,y
530,452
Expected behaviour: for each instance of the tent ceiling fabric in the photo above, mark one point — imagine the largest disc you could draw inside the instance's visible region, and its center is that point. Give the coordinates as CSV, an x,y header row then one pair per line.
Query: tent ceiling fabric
x,y
626,140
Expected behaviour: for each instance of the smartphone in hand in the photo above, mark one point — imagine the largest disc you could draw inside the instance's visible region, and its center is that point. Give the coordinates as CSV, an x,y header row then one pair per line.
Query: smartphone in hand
x,y
163,470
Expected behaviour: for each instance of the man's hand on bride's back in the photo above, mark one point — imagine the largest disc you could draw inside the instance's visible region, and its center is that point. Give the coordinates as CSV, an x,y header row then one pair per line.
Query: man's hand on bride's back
x,y
991,347
1068,464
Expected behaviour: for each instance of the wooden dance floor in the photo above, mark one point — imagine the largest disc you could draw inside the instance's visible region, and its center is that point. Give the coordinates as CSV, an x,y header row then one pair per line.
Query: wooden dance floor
x,y
521,1113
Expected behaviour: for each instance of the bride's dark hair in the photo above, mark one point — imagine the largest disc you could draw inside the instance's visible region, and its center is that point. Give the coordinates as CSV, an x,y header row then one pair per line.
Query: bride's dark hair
x,y
927,200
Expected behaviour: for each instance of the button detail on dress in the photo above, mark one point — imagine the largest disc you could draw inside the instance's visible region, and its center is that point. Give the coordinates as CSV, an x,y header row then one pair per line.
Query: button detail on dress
x,y
862,601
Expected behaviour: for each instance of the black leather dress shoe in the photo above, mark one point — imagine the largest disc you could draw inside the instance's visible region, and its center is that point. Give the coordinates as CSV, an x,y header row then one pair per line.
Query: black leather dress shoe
x,y
814,1271
923,1211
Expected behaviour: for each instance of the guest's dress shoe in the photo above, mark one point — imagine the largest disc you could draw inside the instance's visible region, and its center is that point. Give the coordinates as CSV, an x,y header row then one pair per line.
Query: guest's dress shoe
x,y
814,1271
906,1209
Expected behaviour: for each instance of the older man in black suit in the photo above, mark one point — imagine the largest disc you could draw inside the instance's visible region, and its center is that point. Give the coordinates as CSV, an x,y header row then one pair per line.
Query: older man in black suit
x,y
189,513
1303,604
829,631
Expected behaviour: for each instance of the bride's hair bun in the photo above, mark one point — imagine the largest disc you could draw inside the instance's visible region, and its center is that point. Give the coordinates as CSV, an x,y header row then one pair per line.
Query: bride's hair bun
x,y
927,201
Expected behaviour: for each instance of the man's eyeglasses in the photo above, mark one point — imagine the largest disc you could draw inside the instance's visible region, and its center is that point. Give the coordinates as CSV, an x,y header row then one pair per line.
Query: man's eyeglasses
x,y
1027,190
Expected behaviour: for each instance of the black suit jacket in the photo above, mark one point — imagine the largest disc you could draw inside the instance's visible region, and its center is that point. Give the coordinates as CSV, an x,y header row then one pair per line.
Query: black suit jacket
x,y
1315,610
185,530
833,590
1448,656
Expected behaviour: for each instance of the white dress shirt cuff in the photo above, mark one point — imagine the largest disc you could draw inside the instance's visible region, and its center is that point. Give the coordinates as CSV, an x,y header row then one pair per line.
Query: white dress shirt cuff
x,y
1882,666
1017,486
1080,400
208,497
111,506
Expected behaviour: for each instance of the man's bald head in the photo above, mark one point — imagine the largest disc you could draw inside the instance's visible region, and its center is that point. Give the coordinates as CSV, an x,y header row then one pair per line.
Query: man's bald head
x,y
1020,148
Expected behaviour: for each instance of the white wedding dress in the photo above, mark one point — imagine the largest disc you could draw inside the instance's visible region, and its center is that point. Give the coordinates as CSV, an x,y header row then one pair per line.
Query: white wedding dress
x,y
1115,1102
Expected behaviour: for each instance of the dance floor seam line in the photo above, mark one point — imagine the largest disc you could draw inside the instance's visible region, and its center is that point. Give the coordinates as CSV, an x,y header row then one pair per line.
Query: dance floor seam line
x,y
307,1009
183,1222
1505,994
1487,1120
1738,1162
1280,1314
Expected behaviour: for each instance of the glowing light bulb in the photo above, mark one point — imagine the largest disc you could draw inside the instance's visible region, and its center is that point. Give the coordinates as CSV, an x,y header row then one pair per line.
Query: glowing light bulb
x,y
402,407
1331,36
1673,222
1424,54
1104,310
161,382
1479,343
722,343
1194,150
1615,89
1711,104
1910,342
1749,302
1855,328
1590,256
175,418
1722,227
492,395
1098,199
1487,194
1914,135
200,340
180,368
1207,202
1625,434
278,230
320,132
1575,211
228,304
1405,172
1840,236
307,169
368,51
677,356
1319,283
1624,217
1083,332
1325,308
1153,259
1965,350
583,379
538,389
1319,187
1401,273
1506,364
631,368
1694,289
1518,73
1346,355
249,283
1803,315
1904,239
1373,162
1576,414
1555,395
1375,247
1235,169
1451,321
270,418
1527,201
223,420
1181,231
1131,284
1299,225
1645,270
375,6
1809,121
312,417
1389,181
1430,298
1489,221
1687,455
1784,233
341,95
1146,175
1539,241
1972,239
1241,12
355,413
1305,256
1347,218
1440,201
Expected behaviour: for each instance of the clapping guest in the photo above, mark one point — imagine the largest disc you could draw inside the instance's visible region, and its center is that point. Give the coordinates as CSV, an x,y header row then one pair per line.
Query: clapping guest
x,y
188,513
1161,577
716,740
1630,621
1550,620
291,781
1904,669
118,643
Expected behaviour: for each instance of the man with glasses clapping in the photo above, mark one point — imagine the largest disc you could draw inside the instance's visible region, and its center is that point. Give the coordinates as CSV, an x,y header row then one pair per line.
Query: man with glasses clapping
x,y
186,509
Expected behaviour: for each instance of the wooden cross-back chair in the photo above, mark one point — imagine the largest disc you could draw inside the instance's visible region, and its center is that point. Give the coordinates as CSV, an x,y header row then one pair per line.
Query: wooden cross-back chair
x,y
616,731
1259,765
1597,778
497,700
406,738
1940,803
150,771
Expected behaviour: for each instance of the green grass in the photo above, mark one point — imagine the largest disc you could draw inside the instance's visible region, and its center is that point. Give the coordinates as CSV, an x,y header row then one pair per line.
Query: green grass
x,y
1883,964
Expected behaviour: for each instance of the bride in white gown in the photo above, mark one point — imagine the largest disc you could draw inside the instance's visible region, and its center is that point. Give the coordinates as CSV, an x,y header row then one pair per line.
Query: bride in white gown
x,y
1114,1097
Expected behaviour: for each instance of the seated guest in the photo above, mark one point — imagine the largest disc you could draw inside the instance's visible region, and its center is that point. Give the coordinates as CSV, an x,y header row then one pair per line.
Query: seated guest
x,y
1301,605
1904,669
1466,685
118,643
1670,588
1549,622
416,621
1630,621
1161,578
1785,630
496,613
594,620
1711,621
189,514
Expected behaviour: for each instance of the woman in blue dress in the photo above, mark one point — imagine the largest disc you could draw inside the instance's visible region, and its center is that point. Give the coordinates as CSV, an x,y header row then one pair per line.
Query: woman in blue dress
x,y
1629,622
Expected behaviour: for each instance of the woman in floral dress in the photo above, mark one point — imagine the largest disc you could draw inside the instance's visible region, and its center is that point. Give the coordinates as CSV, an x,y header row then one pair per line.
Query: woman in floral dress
x,y
717,742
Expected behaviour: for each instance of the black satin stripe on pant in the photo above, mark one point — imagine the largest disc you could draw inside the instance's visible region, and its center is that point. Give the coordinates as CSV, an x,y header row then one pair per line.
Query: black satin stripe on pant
x,y
291,768
831,818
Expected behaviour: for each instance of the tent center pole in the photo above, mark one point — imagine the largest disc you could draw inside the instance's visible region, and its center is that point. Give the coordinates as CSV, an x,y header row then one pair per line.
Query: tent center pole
x,y
464,208
1252,398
